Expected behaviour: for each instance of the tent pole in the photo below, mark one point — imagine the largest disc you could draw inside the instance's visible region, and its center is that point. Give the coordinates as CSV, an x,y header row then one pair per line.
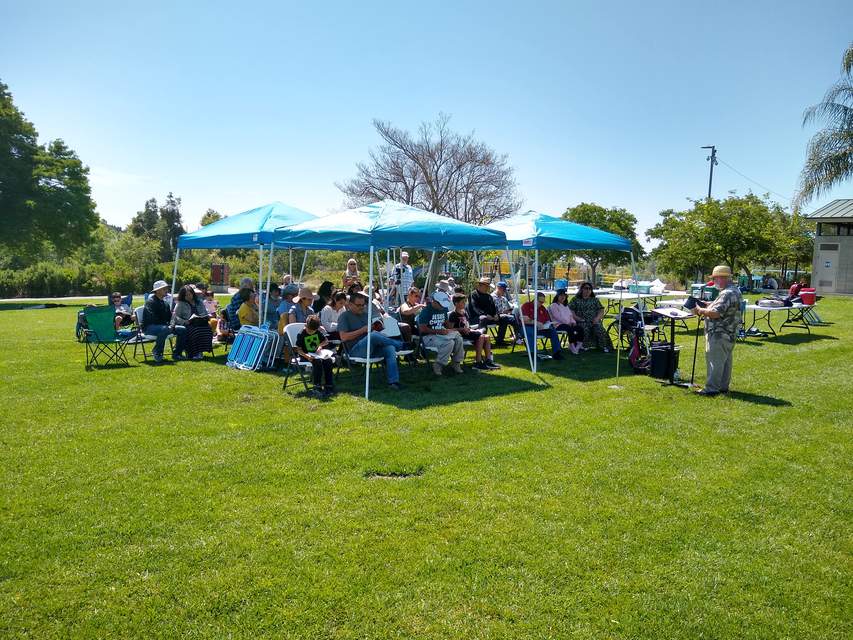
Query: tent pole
x,y
535,310
619,335
389,268
175,271
302,270
426,281
260,280
369,326
379,269
269,282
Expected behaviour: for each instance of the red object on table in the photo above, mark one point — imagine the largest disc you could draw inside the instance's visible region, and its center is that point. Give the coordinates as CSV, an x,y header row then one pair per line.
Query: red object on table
x,y
807,295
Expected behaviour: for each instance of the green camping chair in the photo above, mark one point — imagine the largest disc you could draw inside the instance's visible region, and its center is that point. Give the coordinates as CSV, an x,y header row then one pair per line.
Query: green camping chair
x,y
101,338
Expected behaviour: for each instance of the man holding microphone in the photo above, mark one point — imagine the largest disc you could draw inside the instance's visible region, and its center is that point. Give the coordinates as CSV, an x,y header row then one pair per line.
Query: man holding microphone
x,y
722,321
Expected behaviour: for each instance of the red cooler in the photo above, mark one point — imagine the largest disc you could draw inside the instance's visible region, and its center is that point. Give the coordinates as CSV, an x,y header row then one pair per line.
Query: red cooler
x,y
807,295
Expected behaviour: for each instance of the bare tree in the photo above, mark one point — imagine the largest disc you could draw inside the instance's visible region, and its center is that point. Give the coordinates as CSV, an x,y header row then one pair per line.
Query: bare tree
x,y
437,170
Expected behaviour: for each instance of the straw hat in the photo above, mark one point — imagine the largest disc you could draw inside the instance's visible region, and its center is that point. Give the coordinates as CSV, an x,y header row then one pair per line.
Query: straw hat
x,y
160,284
721,271
307,293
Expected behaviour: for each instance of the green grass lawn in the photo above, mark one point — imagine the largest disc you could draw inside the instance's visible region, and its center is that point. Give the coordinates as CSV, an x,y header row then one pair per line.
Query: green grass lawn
x,y
193,501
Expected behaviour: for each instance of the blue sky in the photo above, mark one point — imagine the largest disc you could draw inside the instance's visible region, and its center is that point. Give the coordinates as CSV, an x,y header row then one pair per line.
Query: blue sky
x,y
234,106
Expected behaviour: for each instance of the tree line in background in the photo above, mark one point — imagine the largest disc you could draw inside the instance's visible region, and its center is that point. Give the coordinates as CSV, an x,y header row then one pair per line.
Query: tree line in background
x,y
55,244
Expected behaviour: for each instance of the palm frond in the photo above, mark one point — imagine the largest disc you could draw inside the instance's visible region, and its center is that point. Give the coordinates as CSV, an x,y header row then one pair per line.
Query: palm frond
x,y
847,61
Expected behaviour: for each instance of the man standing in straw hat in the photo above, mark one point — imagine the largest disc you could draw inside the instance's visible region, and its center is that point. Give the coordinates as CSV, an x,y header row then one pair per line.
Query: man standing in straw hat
x,y
722,321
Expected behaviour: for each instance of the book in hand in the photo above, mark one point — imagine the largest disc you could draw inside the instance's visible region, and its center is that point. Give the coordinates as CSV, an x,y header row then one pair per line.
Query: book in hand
x,y
323,354
198,320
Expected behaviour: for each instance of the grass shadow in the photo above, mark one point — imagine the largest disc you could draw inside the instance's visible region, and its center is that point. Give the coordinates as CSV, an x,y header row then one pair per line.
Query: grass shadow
x,y
110,366
756,398
422,389
799,338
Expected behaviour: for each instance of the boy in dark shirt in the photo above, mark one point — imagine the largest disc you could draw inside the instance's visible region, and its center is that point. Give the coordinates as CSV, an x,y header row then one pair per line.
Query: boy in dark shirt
x,y
482,344
310,345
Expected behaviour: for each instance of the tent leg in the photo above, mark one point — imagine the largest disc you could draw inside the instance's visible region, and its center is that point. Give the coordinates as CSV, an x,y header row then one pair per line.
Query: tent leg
x,y
302,270
269,282
260,279
535,311
619,323
175,271
426,281
369,327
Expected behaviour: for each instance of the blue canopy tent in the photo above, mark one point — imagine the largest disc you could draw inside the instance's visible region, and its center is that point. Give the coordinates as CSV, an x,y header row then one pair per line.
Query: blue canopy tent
x,y
384,225
535,230
251,229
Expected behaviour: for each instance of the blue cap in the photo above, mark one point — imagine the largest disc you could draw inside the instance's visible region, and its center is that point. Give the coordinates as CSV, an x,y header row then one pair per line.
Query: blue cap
x,y
502,285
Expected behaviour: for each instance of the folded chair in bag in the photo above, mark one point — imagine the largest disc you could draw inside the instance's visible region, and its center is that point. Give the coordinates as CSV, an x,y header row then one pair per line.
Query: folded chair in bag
x,y
254,348
101,338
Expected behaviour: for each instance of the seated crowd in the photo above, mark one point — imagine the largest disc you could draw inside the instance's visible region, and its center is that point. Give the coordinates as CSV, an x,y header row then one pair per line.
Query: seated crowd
x,y
443,322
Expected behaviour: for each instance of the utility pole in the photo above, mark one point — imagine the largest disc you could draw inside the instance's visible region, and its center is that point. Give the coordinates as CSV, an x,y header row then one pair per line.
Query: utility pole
x,y
713,159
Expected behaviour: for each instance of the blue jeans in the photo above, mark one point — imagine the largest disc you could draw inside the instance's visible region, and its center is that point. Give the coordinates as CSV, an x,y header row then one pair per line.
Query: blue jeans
x,y
163,331
551,334
380,345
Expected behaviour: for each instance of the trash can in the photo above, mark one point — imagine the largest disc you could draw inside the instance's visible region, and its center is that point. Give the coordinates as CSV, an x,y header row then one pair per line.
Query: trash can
x,y
664,361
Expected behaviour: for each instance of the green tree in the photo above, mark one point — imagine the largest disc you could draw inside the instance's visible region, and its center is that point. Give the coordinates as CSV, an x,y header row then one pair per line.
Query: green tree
x,y
210,216
44,189
683,250
614,220
829,159
144,223
170,227
735,231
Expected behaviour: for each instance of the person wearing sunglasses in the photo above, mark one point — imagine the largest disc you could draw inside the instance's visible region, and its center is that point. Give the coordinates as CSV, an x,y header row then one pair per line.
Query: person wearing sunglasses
x,y
124,316
353,329
590,313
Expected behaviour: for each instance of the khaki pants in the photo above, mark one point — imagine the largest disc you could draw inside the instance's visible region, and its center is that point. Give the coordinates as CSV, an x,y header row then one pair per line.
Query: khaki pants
x,y
446,346
718,356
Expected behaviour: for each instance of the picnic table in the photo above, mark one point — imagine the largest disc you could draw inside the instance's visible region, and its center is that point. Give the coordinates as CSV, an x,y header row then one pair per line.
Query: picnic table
x,y
614,298
795,316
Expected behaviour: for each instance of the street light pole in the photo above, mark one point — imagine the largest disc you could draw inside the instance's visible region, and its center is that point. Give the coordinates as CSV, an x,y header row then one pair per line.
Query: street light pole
x,y
713,159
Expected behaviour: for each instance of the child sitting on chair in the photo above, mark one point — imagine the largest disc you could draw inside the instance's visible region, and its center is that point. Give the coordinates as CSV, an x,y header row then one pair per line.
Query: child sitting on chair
x,y
310,345
482,343
223,330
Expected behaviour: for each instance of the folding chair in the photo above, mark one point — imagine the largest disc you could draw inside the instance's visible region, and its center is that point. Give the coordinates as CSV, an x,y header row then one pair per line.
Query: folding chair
x,y
250,350
522,334
101,338
365,361
294,364
392,330
141,338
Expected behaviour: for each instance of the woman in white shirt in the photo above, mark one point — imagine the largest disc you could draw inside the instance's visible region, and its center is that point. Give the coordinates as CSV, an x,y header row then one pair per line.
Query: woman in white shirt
x,y
331,312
